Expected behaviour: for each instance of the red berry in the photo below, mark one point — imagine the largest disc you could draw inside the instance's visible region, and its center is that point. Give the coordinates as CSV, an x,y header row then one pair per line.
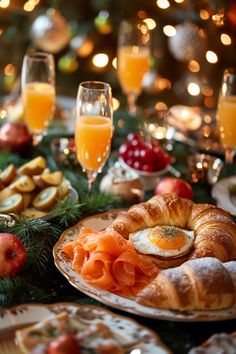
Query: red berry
x,y
132,136
137,165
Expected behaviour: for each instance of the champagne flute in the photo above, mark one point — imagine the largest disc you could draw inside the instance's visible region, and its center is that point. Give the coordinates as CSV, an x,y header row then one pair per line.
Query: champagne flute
x,y
38,92
93,130
133,59
226,113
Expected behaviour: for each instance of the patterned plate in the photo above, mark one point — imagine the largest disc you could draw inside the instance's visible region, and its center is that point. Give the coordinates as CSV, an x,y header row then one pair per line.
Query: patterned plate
x,y
133,335
101,221
220,192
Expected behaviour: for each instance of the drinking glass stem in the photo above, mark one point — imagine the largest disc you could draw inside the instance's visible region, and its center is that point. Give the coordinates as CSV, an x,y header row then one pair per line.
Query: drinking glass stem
x,y
132,106
229,156
37,138
91,176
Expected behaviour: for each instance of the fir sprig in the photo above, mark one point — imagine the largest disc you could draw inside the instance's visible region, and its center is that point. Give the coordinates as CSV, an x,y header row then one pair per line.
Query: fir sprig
x,y
20,290
66,213
99,202
39,237
6,158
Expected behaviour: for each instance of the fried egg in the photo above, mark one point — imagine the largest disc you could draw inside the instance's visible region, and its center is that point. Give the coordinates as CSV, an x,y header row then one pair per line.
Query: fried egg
x,y
164,241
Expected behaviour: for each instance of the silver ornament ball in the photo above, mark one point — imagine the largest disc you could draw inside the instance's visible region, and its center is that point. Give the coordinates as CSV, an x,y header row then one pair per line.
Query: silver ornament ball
x,y
188,43
50,31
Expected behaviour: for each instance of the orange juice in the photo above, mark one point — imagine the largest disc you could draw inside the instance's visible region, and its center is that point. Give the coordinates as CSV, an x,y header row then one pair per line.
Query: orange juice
x,y
39,103
93,140
133,63
226,120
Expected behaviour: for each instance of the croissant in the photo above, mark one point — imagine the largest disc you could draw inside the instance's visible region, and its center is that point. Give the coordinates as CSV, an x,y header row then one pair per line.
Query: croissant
x,y
198,284
215,232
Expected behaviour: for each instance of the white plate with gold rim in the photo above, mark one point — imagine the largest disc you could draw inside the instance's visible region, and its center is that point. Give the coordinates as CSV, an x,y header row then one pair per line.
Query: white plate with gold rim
x,y
132,333
100,222
224,199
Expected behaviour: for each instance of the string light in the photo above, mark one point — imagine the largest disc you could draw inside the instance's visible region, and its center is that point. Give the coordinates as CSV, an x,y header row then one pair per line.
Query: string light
x,y
28,6
9,70
193,89
161,106
225,39
150,23
141,14
209,102
115,103
204,15
100,60
169,30
114,62
163,4
207,91
4,4
194,66
211,57
179,1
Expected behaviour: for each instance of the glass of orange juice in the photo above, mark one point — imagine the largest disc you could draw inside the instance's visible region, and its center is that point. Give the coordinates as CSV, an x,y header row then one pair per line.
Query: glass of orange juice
x,y
133,59
38,92
226,113
94,127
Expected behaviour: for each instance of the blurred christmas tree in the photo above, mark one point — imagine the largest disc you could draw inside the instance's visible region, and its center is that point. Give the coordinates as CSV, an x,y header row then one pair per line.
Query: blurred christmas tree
x,y
193,41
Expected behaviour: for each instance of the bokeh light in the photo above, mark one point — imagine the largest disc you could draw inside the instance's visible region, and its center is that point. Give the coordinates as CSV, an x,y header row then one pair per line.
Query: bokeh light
x,y
100,60
169,30
211,57
163,4
193,89
225,39
194,66
150,23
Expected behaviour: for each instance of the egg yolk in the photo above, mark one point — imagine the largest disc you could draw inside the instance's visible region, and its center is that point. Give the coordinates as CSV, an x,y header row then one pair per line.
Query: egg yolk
x,y
167,237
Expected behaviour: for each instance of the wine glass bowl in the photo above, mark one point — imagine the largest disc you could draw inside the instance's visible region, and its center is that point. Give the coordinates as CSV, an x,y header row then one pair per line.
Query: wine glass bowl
x,y
226,113
38,92
133,59
93,131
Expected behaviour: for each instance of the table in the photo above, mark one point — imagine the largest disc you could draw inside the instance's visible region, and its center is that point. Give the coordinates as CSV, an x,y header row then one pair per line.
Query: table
x,y
178,336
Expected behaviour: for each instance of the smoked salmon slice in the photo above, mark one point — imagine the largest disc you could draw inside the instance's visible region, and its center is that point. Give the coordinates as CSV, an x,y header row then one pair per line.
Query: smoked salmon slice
x,y
108,261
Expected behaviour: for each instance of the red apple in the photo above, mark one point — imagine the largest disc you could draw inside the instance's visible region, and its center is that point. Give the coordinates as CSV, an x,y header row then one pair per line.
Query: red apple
x,y
12,255
174,185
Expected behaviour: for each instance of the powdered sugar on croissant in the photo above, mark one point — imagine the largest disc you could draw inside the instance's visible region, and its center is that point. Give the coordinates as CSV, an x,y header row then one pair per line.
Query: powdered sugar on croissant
x,y
198,284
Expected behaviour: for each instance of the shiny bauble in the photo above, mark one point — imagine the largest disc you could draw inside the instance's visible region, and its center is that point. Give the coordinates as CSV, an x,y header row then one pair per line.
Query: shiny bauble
x,y
188,43
124,183
50,32
15,137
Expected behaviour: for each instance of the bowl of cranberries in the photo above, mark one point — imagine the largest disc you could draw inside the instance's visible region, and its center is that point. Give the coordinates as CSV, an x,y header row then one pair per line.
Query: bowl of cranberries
x,y
145,157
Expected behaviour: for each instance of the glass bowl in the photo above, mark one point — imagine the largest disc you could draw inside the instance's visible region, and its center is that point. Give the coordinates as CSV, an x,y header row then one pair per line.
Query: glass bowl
x,y
148,179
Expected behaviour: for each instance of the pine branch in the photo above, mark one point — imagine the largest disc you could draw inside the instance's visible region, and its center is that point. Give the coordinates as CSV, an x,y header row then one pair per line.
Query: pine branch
x,y
100,202
7,158
39,237
22,292
11,284
66,213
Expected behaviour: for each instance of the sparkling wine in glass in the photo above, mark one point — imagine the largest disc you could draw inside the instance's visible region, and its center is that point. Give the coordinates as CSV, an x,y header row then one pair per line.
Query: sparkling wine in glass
x,y
94,127
38,92
226,114
133,59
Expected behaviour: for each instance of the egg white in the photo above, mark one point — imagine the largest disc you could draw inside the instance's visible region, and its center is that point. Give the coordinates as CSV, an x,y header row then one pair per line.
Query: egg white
x,y
143,245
